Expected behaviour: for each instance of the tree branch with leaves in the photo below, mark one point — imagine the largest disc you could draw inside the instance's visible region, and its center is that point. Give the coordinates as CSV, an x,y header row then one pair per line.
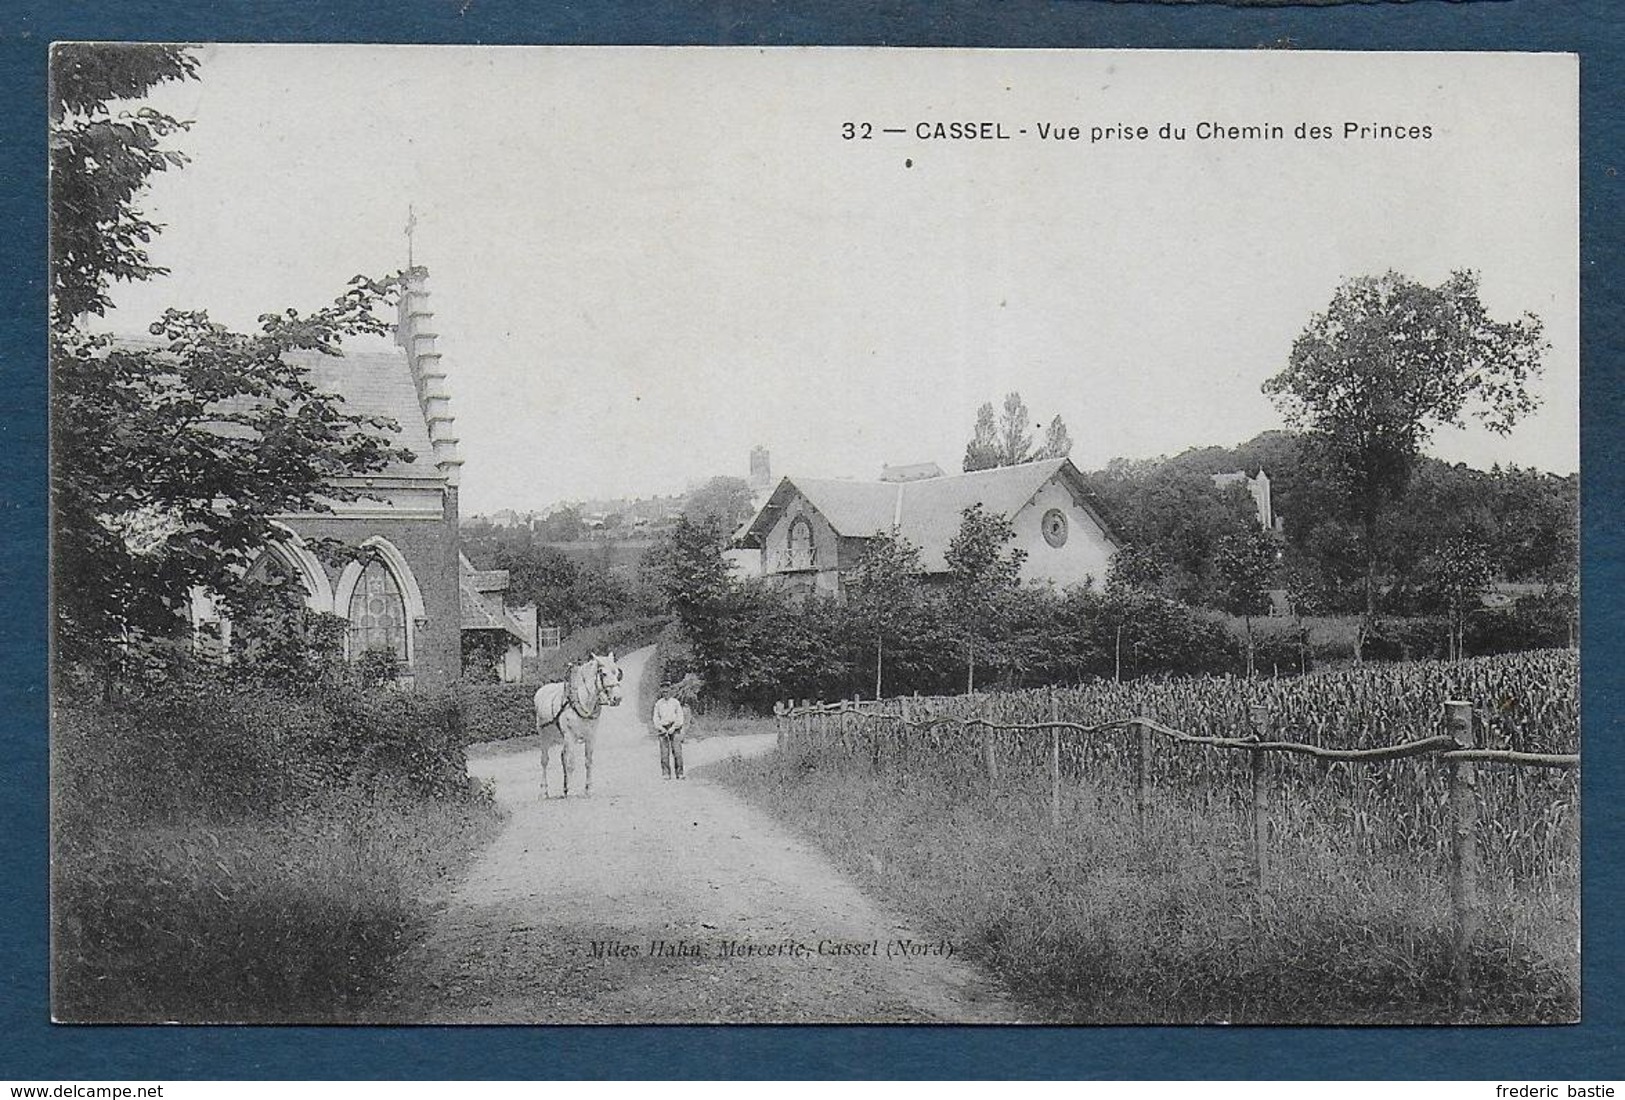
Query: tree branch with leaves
x,y
1387,363
171,456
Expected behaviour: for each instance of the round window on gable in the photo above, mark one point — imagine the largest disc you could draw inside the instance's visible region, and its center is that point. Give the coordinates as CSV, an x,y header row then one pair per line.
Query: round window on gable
x,y
1054,525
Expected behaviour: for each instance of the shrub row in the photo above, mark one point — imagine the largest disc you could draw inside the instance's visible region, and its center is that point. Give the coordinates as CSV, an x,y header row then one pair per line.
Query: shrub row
x,y
768,646
206,751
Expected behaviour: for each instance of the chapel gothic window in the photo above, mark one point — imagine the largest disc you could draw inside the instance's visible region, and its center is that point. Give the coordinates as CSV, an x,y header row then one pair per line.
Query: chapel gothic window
x,y
377,613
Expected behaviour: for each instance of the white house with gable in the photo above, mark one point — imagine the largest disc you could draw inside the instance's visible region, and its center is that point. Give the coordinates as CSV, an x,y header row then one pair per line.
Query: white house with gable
x,y
812,531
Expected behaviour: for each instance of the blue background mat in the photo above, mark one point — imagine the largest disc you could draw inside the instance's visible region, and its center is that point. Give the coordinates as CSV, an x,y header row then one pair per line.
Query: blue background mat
x,y
32,1048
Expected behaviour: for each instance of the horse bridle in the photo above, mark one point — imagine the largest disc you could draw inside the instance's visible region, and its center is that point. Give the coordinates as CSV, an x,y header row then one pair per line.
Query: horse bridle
x,y
600,697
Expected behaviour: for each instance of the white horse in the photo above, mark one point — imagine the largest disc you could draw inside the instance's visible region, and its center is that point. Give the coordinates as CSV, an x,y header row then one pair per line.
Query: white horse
x,y
567,713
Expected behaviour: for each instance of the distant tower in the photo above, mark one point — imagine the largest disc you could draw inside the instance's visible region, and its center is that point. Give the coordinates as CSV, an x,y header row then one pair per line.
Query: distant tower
x,y
761,473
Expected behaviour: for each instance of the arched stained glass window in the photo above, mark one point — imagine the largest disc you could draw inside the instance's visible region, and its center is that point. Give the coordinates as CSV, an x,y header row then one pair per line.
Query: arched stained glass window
x,y
377,613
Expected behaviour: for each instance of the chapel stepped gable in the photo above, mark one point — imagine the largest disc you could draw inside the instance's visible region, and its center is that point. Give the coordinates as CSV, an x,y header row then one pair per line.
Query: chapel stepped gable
x,y
416,336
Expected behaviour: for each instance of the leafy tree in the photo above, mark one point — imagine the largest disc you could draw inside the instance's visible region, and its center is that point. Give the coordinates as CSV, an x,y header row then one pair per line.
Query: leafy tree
x,y
727,500
981,574
1456,574
169,461
100,162
693,576
1246,564
883,593
1057,441
543,576
1388,362
1137,566
1175,519
982,452
1005,439
564,525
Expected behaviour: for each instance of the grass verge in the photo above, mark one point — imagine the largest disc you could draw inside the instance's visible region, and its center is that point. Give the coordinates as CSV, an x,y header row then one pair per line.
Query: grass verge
x,y
288,920
1103,921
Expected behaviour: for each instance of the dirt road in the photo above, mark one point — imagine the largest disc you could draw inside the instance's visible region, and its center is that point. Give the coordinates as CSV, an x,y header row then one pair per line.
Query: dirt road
x,y
620,908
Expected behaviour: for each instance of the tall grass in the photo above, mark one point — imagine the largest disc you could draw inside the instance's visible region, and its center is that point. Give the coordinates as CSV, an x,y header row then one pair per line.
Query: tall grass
x,y
1113,919
257,921
1103,921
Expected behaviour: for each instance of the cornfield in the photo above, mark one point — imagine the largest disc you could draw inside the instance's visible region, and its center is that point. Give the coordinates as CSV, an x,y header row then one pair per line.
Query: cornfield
x,y
1300,829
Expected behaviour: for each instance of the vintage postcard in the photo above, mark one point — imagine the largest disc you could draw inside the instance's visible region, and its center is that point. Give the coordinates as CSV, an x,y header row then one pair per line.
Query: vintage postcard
x,y
813,535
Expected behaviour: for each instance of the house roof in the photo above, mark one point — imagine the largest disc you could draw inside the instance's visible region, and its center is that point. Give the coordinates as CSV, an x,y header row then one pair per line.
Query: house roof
x,y
490,580
933,508
478,612
851,507
926,512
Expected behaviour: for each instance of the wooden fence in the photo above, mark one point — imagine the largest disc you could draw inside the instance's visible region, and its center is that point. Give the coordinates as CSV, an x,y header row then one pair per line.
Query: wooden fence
x,y
884,729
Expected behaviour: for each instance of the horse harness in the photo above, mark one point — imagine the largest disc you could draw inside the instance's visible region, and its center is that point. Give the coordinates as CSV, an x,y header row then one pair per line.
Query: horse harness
x,y
572,703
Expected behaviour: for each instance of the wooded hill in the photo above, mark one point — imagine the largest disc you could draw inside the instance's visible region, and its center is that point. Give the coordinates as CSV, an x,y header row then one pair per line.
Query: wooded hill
x,y
1174,518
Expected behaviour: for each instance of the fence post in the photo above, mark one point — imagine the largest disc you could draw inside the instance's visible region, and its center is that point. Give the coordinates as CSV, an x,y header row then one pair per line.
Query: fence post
x,y
1464,852
990,758
1142,769
1258,720
778,722
1054,761
904,733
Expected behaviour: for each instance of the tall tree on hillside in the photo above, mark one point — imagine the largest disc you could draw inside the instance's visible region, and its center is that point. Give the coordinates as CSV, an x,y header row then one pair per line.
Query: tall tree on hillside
x,y
981,573
1005,439
168,462
1388,362
884,593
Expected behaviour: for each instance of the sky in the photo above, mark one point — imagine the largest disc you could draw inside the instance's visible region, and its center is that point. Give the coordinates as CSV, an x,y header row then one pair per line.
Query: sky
x,y
645,261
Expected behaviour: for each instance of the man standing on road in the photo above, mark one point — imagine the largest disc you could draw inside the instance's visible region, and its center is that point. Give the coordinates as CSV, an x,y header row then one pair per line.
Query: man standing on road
x,y
670,722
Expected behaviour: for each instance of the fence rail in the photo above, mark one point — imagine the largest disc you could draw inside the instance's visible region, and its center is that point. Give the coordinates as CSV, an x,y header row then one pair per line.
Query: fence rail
x,y
1458,749
1445,748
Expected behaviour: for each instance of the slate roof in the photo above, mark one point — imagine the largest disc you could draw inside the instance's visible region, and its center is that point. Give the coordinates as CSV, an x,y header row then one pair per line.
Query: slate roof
x,y
378,383
926,512
373,382
933,508
852,507
479,613
489,580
